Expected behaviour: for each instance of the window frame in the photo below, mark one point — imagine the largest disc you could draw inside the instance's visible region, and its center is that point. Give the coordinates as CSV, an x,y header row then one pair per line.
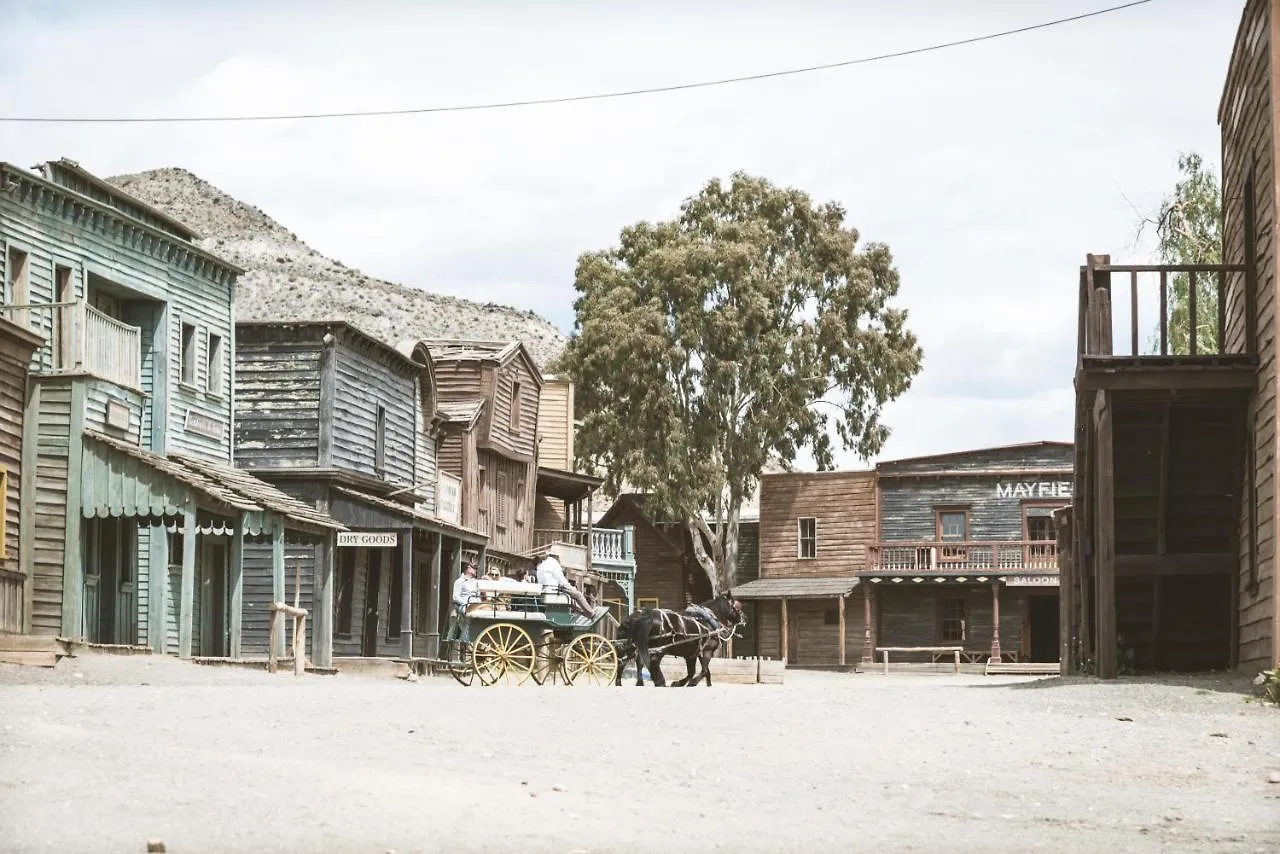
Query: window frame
x,y
379,439
344,607
213,363
942,618
800,537
183,351
515,410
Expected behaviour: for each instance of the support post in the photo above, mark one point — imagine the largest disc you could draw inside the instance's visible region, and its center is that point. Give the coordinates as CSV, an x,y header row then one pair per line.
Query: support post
x,y
236,583
1106,539
783,633
433,599
995,626
277,579
1162,525
158,587
406,594
868,653
840,608
322,625
187,608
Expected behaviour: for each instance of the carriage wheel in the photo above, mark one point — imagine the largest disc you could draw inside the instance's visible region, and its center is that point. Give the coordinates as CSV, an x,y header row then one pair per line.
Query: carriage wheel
x,y
503,653
592,659
461,668
548,667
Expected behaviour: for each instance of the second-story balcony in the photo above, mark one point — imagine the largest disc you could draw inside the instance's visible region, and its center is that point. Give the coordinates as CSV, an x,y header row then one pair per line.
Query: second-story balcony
x,y
600,546
933,556
80,339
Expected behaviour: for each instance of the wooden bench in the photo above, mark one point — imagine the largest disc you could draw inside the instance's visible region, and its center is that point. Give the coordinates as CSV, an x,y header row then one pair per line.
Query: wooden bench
x,y
1030,668
934,650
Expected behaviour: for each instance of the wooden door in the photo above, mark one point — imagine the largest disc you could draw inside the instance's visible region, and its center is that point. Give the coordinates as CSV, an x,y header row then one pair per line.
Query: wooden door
x,y
372,593
213,598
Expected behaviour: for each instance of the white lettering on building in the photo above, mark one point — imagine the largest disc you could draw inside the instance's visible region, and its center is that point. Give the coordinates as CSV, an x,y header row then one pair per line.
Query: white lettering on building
x,y
1034,489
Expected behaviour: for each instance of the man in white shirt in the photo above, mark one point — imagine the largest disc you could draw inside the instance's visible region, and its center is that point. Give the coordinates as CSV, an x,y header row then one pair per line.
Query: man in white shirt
x,y
551,574
465,591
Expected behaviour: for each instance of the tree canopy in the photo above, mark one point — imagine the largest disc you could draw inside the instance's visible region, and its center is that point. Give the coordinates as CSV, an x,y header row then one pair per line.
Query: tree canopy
x,y
741,330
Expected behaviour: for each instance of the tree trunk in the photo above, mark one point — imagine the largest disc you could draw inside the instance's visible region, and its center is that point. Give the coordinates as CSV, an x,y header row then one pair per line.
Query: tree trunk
x,y
729,571
697,527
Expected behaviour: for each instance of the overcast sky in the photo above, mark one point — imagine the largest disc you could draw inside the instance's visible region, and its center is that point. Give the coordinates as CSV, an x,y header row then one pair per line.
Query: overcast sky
x,y
990,169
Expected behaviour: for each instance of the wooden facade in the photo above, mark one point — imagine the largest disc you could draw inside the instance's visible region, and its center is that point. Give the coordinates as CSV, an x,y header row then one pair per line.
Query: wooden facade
x,y
139,519
16,348
349,424
965,541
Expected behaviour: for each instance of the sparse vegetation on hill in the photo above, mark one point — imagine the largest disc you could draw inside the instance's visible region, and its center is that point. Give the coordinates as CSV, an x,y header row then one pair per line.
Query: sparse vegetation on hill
x,y
288,280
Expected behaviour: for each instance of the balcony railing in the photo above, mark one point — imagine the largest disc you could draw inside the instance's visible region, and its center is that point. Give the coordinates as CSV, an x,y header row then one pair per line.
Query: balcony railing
x,y
935,556
608,545
81,339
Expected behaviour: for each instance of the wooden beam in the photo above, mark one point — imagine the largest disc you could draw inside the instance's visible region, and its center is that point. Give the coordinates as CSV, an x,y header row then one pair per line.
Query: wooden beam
x,y
1224,563
322,622
73,547
868,652
236,584
1164,313
1162,522
1153,377
1066,590
1133,311
406,593
1192,330
840,607
186,611
27,503
1106,538
328,401
277,578
783,631
433,599
995,622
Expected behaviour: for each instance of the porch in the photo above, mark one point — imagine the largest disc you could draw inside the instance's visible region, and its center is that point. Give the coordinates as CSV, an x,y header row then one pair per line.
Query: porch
x,y
81,339
964,556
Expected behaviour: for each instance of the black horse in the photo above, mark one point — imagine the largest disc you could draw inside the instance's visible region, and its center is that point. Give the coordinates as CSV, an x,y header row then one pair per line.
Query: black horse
x,y
693,634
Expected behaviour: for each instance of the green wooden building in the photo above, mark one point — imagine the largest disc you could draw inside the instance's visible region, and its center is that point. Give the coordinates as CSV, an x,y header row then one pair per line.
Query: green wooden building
x,y
134,518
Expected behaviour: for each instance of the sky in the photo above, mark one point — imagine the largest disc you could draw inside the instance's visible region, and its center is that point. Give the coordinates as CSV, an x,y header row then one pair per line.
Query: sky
x,y
990,169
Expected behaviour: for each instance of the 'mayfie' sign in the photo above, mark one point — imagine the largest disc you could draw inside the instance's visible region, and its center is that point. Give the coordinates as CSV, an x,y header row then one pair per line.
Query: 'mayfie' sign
x,y
1034,489
367,540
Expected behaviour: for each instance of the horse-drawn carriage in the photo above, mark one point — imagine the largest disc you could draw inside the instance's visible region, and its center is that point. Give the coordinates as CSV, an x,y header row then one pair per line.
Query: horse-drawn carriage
x,y
520,631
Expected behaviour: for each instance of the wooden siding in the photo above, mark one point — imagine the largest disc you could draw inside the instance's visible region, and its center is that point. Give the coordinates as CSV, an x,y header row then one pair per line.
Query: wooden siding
x,y
362,384
508,486
813,631
98,393
548,514
51,431
457,380
1032,457
1247,121
659,560
351,644
517,439
908,616
277,404
14,355
748,552
424,451
459,457
555,425
256,619
908,507
844,504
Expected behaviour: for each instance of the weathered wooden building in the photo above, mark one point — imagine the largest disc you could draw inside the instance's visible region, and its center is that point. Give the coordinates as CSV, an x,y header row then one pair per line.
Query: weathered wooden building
x,y
348,424
139,518
16,348
816,529
966,554
1174,521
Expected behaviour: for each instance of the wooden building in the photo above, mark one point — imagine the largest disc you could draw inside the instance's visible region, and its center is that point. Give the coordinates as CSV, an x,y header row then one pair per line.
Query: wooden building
x,y
966,554
816,530
139,519
1174,521
16,348
348,424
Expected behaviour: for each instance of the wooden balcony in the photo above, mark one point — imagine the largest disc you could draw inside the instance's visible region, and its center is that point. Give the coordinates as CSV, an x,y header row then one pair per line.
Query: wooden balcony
x,y
607,545
968,556
81,339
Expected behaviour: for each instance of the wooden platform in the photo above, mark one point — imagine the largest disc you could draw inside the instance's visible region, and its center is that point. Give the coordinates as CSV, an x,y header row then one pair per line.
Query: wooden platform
x,y
1023,668
285,664
32,650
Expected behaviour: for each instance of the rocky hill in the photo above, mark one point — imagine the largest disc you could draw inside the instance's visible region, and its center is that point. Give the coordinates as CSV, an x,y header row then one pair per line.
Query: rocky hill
x,y
288,280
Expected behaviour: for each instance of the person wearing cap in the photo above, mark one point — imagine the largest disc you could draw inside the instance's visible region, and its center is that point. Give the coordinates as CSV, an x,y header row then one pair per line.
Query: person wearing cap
x,y
551,574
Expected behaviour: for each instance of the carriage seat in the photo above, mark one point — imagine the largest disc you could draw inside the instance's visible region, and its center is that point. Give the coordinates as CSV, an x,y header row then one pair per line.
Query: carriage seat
x,y
507,587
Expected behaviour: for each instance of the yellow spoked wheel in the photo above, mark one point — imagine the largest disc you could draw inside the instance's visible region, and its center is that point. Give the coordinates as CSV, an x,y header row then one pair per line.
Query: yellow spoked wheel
x,y
504,654
548,667
590,659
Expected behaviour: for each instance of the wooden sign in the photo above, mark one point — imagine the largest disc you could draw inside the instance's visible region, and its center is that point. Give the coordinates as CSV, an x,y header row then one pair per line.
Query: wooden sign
x,y
204,425
117,415
1034,489
368,539
1031,580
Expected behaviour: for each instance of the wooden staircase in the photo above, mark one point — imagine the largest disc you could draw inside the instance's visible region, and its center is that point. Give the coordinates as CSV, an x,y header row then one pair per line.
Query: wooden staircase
x,y
32,650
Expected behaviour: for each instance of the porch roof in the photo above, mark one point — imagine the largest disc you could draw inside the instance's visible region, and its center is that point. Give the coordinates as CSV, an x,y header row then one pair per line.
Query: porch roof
x,y
118,478
796,588
415,516
566,485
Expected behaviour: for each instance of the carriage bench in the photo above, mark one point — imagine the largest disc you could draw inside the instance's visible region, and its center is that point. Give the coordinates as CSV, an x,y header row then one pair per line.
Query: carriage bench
x,y
935,650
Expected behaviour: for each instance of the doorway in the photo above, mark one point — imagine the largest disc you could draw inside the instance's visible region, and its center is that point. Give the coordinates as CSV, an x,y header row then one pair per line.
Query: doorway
x,y
109,581
372,592
1043,628
212,596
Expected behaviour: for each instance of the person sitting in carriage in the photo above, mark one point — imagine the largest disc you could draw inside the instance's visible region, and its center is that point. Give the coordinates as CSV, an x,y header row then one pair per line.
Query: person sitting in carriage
x,y
551,574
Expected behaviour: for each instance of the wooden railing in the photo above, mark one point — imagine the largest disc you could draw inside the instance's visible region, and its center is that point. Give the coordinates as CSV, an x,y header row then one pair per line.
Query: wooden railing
x,y
79,338
279,610
987,556
11,599
611,545
1096,335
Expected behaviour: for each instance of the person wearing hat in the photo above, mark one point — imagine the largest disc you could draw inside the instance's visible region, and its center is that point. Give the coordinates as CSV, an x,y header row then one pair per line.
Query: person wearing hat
x,y
465,591
551,574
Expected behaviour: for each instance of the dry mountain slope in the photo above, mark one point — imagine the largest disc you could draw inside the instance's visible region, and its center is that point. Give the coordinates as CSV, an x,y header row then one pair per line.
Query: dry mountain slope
x,y
288,280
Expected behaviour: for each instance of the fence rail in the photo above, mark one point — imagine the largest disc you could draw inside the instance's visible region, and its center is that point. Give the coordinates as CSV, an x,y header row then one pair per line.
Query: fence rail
x,y
80,338
611,545
936,556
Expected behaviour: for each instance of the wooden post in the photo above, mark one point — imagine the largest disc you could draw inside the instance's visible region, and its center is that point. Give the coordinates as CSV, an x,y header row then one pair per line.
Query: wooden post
x,y
1162,526
1106,539
433,599
277,579
884,653
158,587
236,597
868,651
957,655
406,594
187,608
273,632
840,607
783,631
299,645
995,626
322,626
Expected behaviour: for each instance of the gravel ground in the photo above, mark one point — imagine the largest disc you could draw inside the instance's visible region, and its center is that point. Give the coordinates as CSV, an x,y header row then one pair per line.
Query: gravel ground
x,y
103,753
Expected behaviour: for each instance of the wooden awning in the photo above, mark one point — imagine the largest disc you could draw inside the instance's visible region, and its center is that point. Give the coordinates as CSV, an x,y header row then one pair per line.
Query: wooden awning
x,y
796,588
398,513
566,485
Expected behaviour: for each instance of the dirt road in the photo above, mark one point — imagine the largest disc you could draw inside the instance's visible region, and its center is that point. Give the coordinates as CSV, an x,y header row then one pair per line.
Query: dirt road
x,y
105,753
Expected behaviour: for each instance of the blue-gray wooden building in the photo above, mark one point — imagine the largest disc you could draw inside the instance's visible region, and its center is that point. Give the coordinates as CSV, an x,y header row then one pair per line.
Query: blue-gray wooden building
x,y
135,523
350,424
966,552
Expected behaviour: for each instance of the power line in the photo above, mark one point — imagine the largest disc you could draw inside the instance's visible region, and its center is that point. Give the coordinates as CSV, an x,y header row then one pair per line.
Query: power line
x,y
599,96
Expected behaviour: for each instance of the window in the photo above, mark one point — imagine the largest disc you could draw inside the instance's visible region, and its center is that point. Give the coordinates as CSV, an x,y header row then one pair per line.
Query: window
x,y
1042,536
807,535
952,527
515,407
346,587
951,620
519,502
213,365
4,511
380,440
641,604
188,354
16,292
831,617
395,593
482,499
500,499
